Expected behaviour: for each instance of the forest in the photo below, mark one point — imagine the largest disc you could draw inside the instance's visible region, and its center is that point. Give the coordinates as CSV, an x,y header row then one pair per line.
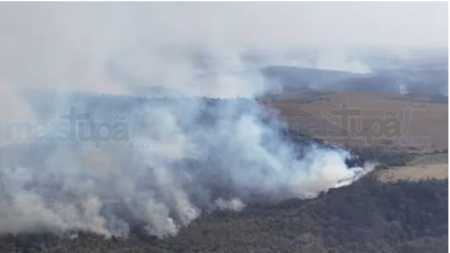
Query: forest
x,y
367,216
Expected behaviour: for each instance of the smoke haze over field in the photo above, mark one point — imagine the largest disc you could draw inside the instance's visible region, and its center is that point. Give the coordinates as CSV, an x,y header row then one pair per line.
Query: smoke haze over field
x,y
211,154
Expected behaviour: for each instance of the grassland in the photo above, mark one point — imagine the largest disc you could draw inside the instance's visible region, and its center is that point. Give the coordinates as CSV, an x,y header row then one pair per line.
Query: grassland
x,y
429,119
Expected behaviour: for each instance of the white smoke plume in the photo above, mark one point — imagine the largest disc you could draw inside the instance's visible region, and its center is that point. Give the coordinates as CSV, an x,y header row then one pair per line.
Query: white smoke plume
x,y
210,154
335,60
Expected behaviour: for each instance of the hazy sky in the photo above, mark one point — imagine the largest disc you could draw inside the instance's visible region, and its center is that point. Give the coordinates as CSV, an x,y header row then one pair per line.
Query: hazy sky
x,y
51,45
248,24
378,24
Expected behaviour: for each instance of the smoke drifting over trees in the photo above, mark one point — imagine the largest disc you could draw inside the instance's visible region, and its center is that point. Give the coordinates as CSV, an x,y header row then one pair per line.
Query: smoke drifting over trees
x,y
210,154
368,216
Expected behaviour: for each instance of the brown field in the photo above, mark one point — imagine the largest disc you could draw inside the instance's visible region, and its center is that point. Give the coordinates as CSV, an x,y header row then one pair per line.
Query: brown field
x,y
428,119
414,173
434,166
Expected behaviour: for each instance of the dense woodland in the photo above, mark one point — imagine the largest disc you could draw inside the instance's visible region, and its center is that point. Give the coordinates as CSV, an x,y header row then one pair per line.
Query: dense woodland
x,y
367,216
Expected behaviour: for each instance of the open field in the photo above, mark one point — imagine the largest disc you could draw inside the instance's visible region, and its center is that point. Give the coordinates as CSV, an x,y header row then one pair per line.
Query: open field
x,y
429,119
426,167
414,173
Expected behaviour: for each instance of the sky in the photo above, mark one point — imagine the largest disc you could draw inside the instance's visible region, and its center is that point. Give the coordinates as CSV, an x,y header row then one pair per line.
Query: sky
x,y
48,45
250,24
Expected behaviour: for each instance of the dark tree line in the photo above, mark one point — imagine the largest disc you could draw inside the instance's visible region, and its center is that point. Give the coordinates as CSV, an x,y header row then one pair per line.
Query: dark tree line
x,y
367,216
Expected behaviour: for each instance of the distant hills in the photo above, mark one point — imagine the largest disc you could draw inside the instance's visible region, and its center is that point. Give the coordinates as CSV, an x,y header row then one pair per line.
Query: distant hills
x,y
432,81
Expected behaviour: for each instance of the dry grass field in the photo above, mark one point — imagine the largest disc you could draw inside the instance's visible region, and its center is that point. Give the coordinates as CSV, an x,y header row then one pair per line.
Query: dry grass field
x,y
429,119
425,167
414,173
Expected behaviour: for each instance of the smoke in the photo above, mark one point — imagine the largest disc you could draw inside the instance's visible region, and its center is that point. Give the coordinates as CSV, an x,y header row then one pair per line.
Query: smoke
x,y
328,59
402,89
210,154
337,61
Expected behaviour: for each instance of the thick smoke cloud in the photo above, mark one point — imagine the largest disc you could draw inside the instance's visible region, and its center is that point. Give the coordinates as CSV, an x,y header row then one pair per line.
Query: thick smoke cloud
x,y
210,154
